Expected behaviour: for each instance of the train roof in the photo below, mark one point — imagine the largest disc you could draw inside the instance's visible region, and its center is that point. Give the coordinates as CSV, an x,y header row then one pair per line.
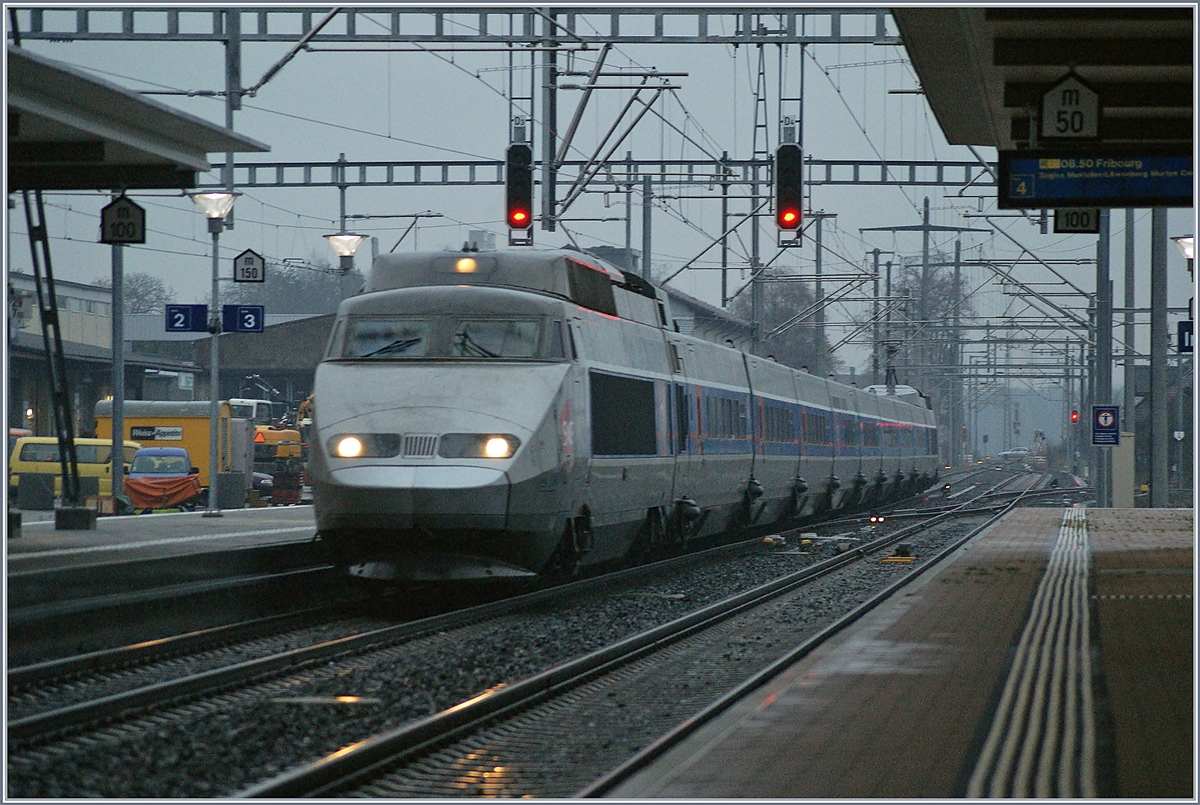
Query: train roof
x,y
542,270
572,275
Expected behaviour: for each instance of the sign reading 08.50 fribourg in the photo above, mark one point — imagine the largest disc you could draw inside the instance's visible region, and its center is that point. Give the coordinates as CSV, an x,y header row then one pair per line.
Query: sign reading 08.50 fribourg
x,y
1086,177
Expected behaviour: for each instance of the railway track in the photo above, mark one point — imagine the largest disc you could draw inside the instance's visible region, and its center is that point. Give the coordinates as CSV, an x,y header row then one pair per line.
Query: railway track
x,y
517,727
101,720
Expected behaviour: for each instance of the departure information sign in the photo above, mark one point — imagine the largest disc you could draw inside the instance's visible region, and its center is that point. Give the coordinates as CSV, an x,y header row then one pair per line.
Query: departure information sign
x,y
1092,178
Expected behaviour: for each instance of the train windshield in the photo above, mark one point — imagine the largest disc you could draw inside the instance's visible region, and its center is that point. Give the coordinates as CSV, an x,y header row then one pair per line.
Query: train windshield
x,y
443,337
494,338
386,338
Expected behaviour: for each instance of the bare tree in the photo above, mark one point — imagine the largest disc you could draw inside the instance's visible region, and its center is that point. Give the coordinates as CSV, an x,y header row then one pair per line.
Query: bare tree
x,y
796,346
141,292
315,287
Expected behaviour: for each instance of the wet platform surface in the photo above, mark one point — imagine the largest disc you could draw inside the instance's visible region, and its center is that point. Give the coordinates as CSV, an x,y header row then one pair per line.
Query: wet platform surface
x,y
41,546
1050,657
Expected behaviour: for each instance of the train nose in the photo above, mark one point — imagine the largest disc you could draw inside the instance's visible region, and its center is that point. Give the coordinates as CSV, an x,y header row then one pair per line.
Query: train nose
x,y
445,497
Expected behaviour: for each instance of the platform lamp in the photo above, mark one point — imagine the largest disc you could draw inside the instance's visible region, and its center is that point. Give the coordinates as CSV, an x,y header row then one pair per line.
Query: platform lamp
x,y
1186,244
345,244
215,207
1186,248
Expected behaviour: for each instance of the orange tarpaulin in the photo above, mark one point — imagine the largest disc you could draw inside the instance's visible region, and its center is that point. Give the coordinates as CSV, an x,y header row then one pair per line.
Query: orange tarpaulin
x,y
161,493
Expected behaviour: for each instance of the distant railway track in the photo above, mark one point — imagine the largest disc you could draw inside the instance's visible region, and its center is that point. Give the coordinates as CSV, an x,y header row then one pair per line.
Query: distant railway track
x,y
98,720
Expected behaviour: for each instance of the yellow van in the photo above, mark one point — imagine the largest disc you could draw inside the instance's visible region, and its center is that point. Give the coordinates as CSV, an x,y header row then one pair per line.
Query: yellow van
x,y
39,454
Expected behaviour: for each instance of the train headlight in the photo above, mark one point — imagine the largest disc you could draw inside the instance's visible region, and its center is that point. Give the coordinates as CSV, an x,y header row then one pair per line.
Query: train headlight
x,y
348,447
478,445
497,447
365,445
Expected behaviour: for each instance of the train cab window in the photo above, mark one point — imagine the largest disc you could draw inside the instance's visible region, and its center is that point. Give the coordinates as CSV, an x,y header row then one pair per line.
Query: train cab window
x,y
385,338
495,338
554,340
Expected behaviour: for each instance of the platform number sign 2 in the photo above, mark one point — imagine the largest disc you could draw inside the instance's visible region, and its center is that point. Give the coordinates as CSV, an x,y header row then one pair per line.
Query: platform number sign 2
x,y
187,318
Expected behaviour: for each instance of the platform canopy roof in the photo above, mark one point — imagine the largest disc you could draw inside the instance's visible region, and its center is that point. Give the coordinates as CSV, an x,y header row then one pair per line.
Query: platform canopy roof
x,y
68,130
982,69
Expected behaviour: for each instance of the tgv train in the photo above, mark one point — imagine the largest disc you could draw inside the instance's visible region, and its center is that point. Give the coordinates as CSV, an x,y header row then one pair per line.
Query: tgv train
x,y
525,413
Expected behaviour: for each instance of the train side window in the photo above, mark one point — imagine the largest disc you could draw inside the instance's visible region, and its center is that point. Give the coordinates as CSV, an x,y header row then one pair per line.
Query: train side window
x,y
333,348
676,360
591,288
554,341
682,417
623,422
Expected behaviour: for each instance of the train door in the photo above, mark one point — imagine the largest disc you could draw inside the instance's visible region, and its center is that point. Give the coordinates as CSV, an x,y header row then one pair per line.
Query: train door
x,y
817,428
870,410
776,447
684,417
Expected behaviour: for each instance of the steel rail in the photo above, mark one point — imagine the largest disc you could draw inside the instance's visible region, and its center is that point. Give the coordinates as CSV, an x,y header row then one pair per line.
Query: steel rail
x,y
80,716
147,651
355,763
676,736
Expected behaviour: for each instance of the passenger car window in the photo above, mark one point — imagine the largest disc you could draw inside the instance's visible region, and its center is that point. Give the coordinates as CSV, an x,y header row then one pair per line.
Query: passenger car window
x,y
39,452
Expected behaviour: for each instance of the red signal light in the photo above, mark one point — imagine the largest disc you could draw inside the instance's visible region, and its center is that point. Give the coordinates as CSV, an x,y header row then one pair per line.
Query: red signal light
x,y
518,180
1074,416
789,186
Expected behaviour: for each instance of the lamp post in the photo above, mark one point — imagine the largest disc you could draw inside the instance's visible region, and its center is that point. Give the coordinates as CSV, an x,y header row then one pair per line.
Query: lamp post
x,y
1186,245
215,207
345,244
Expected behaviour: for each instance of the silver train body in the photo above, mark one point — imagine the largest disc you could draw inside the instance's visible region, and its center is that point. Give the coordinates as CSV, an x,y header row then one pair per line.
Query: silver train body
x,y
522,413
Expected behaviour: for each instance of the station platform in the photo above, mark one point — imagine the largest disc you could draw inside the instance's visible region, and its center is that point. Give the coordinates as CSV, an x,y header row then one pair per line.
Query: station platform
x,y
40,546
1052,656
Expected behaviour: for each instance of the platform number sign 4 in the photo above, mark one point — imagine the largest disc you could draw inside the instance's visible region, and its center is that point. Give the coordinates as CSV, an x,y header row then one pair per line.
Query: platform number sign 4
x,y
249,266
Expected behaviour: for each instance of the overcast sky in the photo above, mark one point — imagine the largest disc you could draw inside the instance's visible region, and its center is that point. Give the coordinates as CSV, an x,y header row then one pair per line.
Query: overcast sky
x,y
433,106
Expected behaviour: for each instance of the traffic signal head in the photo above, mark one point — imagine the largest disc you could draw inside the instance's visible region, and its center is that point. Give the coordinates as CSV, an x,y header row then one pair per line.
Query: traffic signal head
x,y
1074,417
789,197
518,179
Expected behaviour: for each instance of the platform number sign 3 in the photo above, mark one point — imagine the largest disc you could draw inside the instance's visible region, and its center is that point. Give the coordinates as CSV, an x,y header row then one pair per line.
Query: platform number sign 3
x,y
242,318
